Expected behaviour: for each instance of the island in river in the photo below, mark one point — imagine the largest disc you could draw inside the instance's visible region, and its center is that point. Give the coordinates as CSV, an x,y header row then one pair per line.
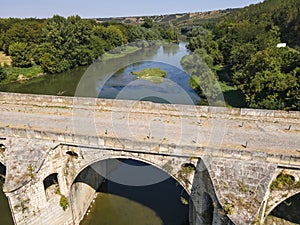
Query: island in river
x,y
155,75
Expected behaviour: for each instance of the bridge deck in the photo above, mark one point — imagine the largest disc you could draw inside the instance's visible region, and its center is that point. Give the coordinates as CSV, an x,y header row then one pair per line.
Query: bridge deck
x,y
262,131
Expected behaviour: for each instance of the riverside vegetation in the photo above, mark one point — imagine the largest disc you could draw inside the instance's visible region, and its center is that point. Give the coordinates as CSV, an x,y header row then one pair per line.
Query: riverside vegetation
x,y
238,47
155,75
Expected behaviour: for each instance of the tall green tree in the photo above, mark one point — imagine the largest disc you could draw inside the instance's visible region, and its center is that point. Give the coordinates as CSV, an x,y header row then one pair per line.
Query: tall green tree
x,y
138,33
203,80
204,40
69,44
20,54
268,82
112,36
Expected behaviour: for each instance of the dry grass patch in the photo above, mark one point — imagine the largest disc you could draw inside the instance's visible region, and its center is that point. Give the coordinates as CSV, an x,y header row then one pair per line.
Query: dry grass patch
x,y
4,59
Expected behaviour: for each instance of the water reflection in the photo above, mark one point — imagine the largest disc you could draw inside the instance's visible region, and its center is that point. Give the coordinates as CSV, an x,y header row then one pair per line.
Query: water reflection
x,y
109,206
155,204
174,88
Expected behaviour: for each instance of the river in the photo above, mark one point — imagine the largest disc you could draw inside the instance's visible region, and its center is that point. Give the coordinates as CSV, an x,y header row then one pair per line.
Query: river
x,y
113,78
127,202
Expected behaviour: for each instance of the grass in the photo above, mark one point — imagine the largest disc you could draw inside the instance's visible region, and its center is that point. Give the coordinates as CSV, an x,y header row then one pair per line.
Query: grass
x,y
232,95
120,52
155,75
229,208
4,60
12,73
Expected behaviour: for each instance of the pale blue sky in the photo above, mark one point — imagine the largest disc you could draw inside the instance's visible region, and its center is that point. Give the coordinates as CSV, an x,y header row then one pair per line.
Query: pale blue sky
x,y
111,8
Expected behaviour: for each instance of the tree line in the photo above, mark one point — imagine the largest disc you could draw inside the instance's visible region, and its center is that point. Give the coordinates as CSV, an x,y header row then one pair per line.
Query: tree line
x,y
59,44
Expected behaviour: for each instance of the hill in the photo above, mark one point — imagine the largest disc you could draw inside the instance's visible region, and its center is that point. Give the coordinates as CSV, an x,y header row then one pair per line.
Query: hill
x,y
179,18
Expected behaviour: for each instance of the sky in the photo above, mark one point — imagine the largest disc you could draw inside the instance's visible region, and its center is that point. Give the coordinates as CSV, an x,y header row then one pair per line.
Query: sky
x,y
111,8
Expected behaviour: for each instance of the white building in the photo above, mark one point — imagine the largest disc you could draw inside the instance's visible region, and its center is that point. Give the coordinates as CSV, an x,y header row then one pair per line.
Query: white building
x,y
281,45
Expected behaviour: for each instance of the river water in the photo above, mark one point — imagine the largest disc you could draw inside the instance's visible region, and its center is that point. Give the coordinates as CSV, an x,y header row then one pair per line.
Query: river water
x,y
137,193
113,78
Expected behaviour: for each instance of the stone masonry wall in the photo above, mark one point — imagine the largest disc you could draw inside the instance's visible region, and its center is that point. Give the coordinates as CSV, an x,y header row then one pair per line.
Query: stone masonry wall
x,y
240,185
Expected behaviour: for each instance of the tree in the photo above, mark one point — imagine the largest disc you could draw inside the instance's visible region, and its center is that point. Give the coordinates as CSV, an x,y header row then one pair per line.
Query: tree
x,y
20,54
172,34
112,36
69,44
148,23
203,80
204,40
28,31
49,63
2,74
98,46
240,54
138,33
271,79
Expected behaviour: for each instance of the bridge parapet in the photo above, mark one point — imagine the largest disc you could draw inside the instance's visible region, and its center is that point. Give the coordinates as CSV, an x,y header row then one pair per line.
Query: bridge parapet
x,y
62,102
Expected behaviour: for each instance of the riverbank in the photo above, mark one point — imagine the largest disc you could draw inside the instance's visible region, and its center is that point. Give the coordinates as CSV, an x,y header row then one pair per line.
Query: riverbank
x,y
120,52
16,74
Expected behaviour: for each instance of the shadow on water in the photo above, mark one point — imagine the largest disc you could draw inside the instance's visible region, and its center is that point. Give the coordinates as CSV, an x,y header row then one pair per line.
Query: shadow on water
x,y
5,213
156,202
289,209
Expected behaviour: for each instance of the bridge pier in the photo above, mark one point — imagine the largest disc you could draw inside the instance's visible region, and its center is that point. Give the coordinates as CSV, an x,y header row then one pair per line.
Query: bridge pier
x,y
206,207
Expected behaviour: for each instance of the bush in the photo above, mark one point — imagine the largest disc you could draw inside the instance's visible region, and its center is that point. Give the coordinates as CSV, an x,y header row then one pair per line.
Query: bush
x,y
283,181
64,203
2,74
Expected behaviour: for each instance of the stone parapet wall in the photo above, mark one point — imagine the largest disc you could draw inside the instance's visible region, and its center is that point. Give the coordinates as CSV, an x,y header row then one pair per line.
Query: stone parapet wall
x,y
142,106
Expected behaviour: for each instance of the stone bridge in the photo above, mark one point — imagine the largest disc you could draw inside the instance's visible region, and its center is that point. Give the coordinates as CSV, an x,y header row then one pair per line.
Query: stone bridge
x,y
230,161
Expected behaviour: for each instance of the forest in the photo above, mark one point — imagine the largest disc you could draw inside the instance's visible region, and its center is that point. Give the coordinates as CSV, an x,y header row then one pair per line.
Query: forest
x,y
59,44
240,48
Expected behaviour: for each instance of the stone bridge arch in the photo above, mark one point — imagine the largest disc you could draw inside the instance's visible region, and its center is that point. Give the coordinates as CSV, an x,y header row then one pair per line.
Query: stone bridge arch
x,y
285,184
80,161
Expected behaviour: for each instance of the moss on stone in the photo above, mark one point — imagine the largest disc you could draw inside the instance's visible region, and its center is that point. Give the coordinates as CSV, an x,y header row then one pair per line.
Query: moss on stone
x,y
283,182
